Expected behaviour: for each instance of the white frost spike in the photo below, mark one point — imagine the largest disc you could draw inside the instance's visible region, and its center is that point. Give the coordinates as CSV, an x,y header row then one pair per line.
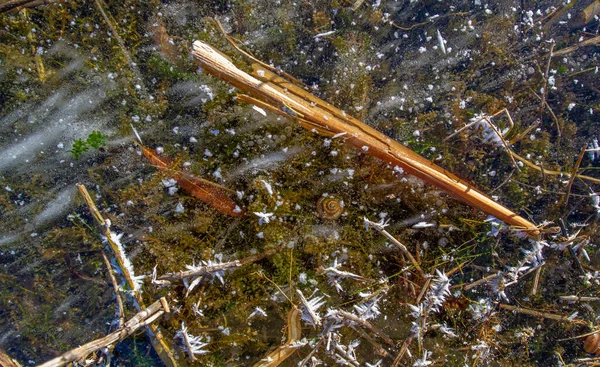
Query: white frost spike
x,y
258,312
156,281
263,217
423,225
594,151
423,361
369,309
439,290
259,110
334,275
137,280
318,36
137,136
381,224
268,187
309,312
192,344
196,309
449,332
490,133
441,42
215,274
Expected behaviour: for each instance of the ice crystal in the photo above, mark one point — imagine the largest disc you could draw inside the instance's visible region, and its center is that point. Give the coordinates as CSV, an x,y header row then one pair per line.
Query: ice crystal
x,y
424,360
137,280
257,312
309,309
439,290
191,344
368,310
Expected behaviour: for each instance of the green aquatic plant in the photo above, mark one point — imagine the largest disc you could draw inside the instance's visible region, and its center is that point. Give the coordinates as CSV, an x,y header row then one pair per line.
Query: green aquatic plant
x,y
95,140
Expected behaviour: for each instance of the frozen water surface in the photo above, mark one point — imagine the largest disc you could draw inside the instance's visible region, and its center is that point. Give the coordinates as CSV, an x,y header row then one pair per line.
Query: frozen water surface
x,y
504,94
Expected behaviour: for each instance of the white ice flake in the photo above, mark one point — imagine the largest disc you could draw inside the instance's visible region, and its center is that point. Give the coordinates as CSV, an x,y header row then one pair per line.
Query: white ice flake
x,y
309,309
424,360
116,239
263,217
191,344
441,42
268,187
258,312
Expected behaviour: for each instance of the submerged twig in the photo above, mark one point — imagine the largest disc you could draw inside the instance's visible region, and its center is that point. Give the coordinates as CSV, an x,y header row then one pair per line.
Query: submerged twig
x,y
575,168
380,228
546,315
116,288
588,42
579,299
367,324
544,95
143,318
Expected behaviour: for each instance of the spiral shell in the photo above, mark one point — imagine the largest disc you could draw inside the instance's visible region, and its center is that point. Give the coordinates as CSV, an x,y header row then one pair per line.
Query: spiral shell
x,y
592,344
329,208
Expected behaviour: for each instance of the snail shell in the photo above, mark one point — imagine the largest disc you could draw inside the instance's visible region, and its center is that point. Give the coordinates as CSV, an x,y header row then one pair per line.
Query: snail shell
x,y
592,344
329,208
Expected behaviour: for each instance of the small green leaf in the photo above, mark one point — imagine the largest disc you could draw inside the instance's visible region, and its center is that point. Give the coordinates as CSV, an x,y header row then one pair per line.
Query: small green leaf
x,y
96,139
79,146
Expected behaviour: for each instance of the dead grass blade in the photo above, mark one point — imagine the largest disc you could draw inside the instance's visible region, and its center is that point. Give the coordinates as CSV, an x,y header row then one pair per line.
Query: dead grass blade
x,y
209,192
283,352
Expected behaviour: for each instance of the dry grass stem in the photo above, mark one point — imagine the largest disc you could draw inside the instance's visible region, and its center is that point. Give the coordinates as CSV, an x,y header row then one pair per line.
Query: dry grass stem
x,y
380,228
116,289
574,173
546,315
283,352
143,318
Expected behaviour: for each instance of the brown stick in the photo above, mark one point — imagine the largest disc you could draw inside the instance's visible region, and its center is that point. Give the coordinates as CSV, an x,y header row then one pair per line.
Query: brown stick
x,y
143,318
368,325
328,120
7,361
116,288
11,4
527,311
386,234
573,175
588,42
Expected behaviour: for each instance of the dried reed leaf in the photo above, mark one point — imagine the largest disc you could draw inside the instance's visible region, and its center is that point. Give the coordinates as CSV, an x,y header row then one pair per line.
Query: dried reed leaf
x,y
283,352
323,118
209,192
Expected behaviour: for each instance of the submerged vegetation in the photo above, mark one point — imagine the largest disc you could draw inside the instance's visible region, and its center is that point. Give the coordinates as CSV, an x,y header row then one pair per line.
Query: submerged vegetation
x,y
273,245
